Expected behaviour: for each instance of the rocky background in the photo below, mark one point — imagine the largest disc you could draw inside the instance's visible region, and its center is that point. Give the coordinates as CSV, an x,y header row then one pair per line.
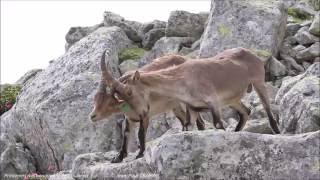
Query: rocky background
x,y
47,131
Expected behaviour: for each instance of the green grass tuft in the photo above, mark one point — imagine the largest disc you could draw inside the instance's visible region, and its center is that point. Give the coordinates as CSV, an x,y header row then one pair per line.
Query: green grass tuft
x,y
261,53
131,53
298,16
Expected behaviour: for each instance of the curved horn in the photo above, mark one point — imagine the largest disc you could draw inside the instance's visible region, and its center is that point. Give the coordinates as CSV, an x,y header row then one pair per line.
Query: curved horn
x,y
105,74
102,86
107,78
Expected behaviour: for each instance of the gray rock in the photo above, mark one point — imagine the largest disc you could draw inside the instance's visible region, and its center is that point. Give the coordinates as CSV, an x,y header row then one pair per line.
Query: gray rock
x,y
303,37
291,64
185,24
258,126
253,102
304,8
306,65
306,23
193,55
292,51
275,68
152,37
287,48
315,26
28,76
146,27
16,159
292,29
216,155
185,51
51,113
131,28
315,4
310,53
256,25
128,65
299,48
63,175
166,45
196,44
299,101
76,33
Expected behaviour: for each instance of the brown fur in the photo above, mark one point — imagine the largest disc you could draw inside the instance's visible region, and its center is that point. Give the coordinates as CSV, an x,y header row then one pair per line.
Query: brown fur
x,y
203,83
106,104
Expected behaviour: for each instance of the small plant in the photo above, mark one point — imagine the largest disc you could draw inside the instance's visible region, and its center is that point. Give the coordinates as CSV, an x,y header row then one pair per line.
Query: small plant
x,y
298,16
261,53
8,97
223,30
131,53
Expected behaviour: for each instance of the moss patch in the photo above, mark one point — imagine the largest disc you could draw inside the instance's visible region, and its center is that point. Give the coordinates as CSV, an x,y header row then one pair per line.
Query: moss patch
x,y
261,53
131,53
298,16
223,30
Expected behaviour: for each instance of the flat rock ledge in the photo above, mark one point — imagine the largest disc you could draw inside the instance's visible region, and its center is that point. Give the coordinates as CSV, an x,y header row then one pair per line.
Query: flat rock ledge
x,y
211,154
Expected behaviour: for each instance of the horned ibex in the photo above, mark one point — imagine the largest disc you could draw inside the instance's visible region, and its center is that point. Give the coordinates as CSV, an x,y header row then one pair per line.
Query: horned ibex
x,y
106,104
202,84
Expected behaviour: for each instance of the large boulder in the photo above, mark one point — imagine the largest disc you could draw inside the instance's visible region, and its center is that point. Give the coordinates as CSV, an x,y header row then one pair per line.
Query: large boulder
x,y
212,155
28,76
186,24
166,45
76,33
155,24
275,69
17,159
152,37
50,116
292,66
299,101
131,28
310,53
304,37
315,26
257,25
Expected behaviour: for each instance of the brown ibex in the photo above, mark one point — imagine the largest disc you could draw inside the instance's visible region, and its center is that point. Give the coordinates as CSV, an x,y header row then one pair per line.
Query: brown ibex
x,y
202,84
106,104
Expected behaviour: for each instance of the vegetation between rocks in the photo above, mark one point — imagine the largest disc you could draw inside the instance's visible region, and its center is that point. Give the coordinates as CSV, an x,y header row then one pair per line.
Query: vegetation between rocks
x,y
8,97
131,53
261,53
298,16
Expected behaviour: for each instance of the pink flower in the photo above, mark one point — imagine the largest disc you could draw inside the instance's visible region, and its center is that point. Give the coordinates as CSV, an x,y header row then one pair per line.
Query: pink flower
x,y
9,105
25,177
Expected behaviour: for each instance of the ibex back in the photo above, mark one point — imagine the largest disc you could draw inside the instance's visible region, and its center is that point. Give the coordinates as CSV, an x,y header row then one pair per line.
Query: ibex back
x,y
202,84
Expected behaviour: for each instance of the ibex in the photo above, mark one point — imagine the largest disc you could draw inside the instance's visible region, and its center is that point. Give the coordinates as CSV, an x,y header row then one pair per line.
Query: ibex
x,y
106,104
202,84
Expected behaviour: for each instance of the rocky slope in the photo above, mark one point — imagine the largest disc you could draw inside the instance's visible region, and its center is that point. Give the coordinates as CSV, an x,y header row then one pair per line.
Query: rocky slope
x,y
48,130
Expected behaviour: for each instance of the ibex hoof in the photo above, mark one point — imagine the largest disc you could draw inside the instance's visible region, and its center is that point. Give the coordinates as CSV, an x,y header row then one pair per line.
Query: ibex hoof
x,y
140,155
117,159
219,126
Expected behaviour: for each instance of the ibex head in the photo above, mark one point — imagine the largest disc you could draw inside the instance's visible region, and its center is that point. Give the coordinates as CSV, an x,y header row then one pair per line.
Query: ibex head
x,y
131,95
105,104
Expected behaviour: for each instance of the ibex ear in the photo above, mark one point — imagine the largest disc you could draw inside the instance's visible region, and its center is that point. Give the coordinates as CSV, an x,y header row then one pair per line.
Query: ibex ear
x,y
136,76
